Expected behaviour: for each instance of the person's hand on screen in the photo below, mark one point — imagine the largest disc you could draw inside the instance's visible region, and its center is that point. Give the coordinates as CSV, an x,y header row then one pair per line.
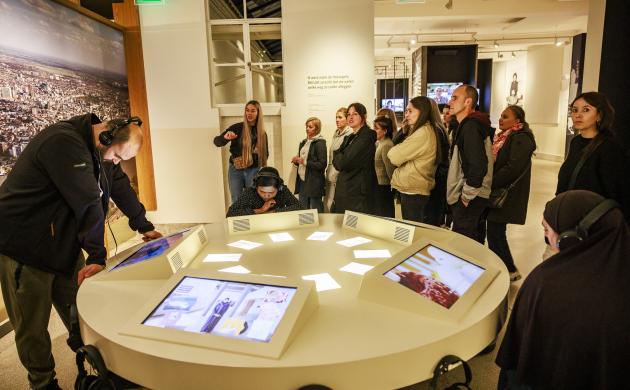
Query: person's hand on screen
x,y
151,235
88,271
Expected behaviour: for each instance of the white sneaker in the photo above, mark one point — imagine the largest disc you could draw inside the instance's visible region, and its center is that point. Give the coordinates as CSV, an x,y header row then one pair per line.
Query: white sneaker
x,y
514,276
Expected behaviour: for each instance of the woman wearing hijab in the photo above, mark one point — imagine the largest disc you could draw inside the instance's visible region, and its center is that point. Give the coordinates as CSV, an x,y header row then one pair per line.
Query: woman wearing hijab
x,y
248,148
354,160
311,163
512,150
569,327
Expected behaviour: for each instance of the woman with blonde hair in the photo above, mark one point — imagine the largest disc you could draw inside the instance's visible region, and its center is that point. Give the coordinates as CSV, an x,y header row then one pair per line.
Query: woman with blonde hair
x,y
311,163
248,148
342,131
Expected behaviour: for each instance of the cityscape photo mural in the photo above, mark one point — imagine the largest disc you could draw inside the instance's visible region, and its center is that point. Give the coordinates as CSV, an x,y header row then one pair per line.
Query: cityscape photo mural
x,y
55,63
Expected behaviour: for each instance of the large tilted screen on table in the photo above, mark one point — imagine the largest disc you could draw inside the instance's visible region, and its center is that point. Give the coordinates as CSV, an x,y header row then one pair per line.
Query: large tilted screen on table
x,y
241,310
436,274
151,249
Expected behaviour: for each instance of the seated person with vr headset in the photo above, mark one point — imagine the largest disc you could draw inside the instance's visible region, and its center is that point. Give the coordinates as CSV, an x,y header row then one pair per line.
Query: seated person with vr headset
x,y
267,195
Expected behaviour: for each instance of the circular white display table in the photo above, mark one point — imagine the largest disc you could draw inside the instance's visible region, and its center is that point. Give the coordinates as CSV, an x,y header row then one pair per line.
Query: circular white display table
x,y
347,343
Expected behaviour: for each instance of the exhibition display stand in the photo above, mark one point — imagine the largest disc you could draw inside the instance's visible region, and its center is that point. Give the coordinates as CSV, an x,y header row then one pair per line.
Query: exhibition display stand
x,y
321,301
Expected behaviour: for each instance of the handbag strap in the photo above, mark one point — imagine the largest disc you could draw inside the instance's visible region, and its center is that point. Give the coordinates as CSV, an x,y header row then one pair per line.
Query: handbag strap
x,y
578,166
517,179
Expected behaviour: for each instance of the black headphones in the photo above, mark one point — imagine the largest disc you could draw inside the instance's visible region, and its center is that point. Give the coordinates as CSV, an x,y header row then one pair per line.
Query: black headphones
x,y
579,233
107,137
443,367
269,172
101,380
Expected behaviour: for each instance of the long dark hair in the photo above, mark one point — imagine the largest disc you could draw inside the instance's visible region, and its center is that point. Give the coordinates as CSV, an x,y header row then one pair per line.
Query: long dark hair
x,y
428,115
423,104
604,125
386,124
360,109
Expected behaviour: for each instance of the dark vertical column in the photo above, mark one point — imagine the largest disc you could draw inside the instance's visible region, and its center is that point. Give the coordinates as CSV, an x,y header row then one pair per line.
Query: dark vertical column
x,y
575,83
614,75
484,83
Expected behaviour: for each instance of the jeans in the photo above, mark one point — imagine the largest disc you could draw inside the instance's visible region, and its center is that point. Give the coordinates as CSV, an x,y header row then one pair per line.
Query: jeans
x,y
240,179
311,202
412,206
470,221
497,242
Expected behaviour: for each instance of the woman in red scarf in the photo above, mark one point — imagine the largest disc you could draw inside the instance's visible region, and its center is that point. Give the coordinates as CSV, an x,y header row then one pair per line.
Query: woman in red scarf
x,y
512,150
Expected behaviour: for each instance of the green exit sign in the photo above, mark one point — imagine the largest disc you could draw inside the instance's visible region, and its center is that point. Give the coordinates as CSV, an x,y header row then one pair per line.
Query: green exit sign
x,y
145,2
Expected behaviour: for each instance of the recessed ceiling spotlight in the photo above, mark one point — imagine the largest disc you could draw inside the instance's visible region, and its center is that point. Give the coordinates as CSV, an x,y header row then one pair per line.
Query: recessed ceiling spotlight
x,y
413,41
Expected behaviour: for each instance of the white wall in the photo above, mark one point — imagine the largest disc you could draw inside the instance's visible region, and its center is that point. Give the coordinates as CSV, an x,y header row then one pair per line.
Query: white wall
x,y
546,97
594,37
324,38
548,93
175,52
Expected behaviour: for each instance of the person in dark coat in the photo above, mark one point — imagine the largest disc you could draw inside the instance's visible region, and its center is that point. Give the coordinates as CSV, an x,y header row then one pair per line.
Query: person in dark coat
x,y
602,172
311,161
512,150
569,325
354,160
52,208
267,195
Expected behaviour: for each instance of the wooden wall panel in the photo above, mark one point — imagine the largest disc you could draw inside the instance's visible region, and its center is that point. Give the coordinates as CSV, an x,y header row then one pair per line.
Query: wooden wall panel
x,y
126,14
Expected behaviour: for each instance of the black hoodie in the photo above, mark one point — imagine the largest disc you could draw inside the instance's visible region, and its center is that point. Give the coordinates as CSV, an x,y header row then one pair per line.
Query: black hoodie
x,y
51,205
470,170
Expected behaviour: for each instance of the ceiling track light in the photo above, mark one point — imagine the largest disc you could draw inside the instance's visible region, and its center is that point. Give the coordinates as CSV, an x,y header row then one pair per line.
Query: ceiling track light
x,y
496,44
513,55
500,55
449,5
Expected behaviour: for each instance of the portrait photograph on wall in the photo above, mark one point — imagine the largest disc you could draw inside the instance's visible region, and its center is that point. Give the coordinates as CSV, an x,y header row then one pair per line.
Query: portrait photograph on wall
x,y
515,73
55,63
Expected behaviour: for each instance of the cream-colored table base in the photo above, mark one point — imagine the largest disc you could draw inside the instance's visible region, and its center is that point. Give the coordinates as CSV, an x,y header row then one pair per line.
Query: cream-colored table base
x,y
346,344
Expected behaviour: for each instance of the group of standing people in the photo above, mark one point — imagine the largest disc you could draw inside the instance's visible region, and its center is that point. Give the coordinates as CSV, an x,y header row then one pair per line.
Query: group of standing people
x,y
443,170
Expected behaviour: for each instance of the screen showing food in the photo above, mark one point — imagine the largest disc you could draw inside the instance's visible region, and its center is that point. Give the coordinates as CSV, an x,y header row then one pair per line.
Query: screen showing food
x,y
245,311
436,274
398,105
151,249
441,92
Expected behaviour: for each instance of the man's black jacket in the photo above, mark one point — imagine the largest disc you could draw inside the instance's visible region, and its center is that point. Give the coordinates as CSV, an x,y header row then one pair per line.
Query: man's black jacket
x,y
50,203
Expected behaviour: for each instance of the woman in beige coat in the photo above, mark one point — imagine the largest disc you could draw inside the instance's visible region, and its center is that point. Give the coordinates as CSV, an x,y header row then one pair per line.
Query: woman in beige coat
x,y
414,177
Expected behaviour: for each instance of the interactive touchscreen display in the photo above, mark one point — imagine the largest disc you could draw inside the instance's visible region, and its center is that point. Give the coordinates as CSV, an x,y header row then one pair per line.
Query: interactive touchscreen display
x,y
151,249
241,310
436,274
